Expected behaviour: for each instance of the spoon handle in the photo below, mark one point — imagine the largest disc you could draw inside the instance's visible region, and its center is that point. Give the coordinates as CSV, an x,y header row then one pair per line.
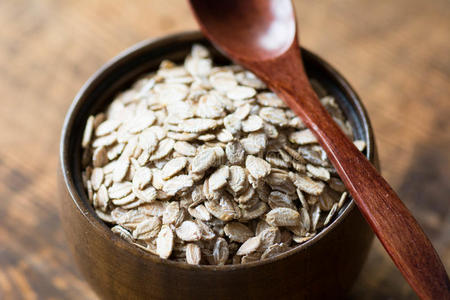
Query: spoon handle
x,y
396,228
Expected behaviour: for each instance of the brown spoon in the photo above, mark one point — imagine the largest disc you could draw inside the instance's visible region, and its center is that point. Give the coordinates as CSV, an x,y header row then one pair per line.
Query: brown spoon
x,y
261,35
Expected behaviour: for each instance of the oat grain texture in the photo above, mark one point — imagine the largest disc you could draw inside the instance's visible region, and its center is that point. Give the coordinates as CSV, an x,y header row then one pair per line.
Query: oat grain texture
x,y
49,48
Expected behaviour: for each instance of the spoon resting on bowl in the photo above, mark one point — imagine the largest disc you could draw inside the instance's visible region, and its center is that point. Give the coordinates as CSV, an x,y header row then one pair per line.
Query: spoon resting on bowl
x,y
262,37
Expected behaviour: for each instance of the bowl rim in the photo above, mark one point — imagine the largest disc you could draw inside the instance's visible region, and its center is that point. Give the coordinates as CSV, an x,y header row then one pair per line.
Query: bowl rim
x,y
101,227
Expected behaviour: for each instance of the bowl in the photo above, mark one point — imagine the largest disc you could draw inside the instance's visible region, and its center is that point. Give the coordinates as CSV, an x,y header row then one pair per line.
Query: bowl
x,y
324,267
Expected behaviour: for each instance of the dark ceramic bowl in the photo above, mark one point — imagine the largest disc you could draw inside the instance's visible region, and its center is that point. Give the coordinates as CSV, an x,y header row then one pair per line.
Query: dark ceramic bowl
x,y
324,267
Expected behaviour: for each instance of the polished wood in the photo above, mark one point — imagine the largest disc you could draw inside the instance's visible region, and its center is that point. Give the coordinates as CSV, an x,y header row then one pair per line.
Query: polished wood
x,y
261,35
49,48
139,275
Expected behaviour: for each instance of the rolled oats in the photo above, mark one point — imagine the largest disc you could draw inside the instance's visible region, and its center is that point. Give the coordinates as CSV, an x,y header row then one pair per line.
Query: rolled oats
x,y
193,254
176,184
238,180
221,251
97,178
238,232
189,231
203,161
302,137
99,157
219,178
282,216
202,164
87,135
123,233
164,148
269,237
254,143
147,229
200,212
252,123
164,242
275,116
184,148
241,92
235,152
173,167
249,246
274,250
318,172
120,189
361,145
257,167
223,209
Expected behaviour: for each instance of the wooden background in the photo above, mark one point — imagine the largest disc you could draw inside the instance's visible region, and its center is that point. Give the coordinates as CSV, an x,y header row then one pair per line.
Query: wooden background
x,y
395,53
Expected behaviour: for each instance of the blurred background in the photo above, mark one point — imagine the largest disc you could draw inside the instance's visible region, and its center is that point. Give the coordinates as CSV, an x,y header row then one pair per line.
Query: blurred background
x,y
396,54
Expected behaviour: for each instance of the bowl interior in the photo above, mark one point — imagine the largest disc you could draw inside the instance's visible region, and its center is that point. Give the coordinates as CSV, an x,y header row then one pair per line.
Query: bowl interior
x,y
118,74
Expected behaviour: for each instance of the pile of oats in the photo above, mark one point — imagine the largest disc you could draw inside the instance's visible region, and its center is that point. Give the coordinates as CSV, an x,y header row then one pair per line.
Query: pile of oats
x,y
202,164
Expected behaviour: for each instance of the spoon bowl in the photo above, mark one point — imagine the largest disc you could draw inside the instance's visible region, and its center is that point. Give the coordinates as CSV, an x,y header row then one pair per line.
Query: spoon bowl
x,y
266,34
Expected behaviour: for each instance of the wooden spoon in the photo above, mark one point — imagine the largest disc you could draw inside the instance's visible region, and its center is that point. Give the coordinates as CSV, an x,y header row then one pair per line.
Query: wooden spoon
x,y
261,36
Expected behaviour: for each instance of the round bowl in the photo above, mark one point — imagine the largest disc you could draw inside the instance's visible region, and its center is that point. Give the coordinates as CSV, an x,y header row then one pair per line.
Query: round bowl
x,y
324,267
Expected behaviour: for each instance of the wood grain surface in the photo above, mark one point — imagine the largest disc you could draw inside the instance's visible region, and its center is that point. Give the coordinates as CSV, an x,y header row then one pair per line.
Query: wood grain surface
x,y
395,53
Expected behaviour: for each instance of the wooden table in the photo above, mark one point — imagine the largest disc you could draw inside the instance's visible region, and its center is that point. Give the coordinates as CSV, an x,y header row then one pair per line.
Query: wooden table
x,y
395,53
